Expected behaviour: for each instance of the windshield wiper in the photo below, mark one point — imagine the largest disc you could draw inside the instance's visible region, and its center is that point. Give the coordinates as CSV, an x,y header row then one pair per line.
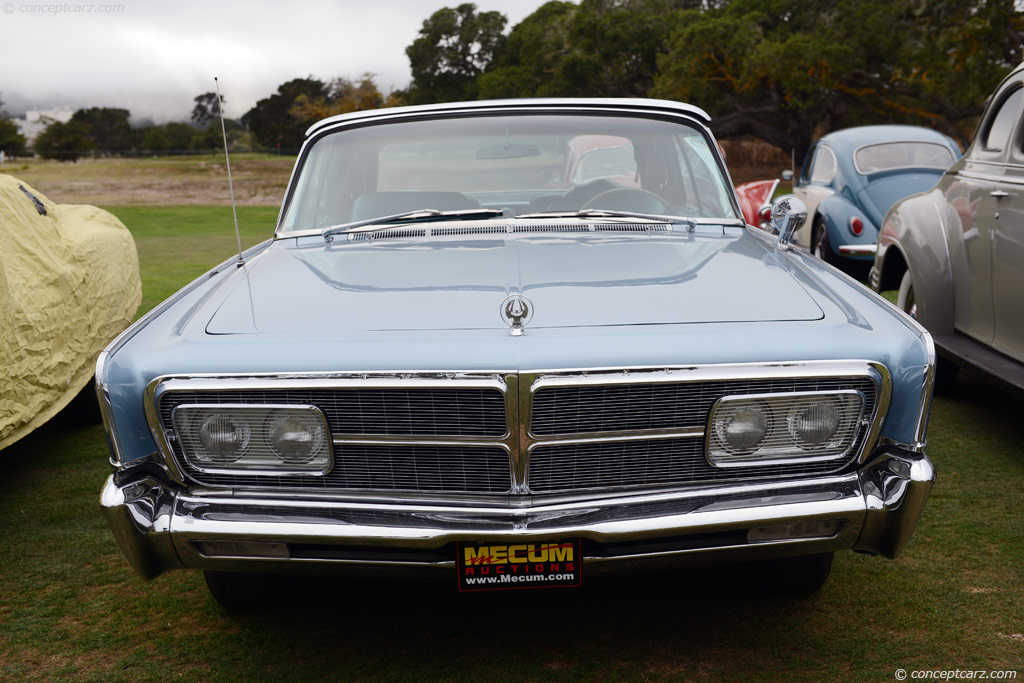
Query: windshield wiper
x,y
410,216
610,213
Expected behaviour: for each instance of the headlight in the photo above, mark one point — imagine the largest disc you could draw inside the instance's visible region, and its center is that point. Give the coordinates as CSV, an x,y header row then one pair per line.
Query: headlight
x,y
757,429
273,439
742,427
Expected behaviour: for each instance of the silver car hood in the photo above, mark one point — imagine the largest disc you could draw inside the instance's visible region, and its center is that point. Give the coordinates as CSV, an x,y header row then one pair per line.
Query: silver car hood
x,y
304,286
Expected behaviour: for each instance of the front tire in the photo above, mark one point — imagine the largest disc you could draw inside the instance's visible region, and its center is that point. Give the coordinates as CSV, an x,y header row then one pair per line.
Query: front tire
x,y
238,591
821,247
803,575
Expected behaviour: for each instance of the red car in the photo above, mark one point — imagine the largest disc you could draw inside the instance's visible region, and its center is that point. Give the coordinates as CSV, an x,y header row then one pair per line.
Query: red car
x,y
756,201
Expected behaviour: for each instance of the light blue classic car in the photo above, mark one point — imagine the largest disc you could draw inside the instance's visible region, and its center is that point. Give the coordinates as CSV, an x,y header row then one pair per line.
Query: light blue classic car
x,y
450,357
851,177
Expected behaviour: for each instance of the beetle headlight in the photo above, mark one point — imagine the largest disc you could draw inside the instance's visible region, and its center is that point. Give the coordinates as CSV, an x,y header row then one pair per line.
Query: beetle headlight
x,y
757,429
273,439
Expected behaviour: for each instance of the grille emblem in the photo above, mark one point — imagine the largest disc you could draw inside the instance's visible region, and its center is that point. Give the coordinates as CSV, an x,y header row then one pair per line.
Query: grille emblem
x,y
516,311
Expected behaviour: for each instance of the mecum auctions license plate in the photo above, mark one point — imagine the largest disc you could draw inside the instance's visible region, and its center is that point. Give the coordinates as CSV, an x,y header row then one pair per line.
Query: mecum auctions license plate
x,y
534,564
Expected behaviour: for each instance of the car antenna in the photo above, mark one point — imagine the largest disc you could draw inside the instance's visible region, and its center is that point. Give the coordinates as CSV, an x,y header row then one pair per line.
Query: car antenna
x,y
227,159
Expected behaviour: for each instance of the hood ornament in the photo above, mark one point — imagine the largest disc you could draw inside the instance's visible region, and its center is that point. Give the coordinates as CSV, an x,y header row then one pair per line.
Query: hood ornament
x,y
516,311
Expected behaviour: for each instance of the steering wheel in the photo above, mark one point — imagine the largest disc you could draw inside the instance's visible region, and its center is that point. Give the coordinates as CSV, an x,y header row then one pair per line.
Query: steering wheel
x,y
628,199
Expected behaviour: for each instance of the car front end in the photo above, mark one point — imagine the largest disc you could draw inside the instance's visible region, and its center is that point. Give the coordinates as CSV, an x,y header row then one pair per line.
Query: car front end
x,y
514,397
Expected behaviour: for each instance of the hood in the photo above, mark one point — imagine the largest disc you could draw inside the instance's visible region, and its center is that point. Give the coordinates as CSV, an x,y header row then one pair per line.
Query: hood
x,y
884,190
460,283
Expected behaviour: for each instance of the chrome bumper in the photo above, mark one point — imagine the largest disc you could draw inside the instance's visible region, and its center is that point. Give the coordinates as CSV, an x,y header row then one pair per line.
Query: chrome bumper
x,y
160,528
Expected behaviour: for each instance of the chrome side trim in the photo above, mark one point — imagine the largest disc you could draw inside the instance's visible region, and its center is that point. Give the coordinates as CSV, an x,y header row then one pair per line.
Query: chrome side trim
x,y
106,412
858,248
927,390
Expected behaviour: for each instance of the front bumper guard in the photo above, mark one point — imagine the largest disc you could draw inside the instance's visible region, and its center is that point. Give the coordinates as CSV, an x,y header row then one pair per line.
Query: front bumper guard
x,y
161,528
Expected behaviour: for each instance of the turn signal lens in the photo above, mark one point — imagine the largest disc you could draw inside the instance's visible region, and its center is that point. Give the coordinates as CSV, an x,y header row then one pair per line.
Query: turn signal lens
x,y
856,225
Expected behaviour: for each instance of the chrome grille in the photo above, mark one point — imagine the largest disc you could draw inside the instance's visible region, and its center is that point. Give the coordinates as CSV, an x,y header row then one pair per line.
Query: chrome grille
x,y
566,467
447,433
377,410
455,469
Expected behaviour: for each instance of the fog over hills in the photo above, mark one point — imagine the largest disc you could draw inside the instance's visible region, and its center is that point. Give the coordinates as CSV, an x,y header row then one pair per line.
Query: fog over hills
x,y
153,57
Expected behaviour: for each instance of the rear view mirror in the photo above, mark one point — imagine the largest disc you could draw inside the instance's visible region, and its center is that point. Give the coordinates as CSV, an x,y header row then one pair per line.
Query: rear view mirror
x,y
788,215
507,151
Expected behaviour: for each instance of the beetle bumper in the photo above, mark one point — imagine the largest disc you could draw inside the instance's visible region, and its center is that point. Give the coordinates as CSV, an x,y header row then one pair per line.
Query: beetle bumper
x,y
872,510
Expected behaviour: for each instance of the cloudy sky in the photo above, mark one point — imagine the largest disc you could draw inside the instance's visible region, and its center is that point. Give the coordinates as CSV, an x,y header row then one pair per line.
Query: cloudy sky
x,y
153,56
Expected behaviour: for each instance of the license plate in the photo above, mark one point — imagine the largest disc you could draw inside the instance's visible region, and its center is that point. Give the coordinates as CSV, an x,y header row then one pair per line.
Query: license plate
x,y
534,564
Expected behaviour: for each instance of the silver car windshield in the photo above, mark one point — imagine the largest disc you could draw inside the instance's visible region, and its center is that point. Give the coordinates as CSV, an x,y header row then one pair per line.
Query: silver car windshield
x,y
525,164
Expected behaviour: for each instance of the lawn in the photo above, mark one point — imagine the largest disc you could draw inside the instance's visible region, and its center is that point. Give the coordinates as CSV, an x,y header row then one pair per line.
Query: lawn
x,y
71,608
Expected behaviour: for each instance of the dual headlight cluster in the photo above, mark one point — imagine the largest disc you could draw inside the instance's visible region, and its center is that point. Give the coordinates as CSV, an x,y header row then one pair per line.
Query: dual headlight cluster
x,y
757,429
267,438
743,430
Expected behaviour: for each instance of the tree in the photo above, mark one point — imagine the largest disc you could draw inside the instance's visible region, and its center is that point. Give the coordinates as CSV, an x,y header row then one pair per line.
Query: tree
x,y
598,48
107,129
206,109
11,140
454,47
271,120
342,96
63,141
785,72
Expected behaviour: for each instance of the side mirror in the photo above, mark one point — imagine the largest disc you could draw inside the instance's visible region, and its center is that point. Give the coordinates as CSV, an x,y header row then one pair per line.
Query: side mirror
x,y
788,215
787,174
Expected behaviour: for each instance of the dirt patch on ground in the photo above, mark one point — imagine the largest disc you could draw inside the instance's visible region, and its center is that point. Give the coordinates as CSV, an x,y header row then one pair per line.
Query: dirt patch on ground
x,y
259,180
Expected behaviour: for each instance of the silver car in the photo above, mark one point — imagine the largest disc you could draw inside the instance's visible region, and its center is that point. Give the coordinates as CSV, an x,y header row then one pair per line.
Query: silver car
x,y
956,252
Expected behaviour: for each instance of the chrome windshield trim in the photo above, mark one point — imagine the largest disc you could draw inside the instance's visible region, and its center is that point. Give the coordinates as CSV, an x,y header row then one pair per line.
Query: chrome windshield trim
x,y
688,114
514,225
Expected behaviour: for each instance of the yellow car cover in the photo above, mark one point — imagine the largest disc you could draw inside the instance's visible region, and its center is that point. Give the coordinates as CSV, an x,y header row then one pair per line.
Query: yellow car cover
x,y
69,283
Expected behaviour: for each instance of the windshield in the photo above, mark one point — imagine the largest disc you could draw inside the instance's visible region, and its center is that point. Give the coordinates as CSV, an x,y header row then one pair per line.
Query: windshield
x,y
516,164
890,156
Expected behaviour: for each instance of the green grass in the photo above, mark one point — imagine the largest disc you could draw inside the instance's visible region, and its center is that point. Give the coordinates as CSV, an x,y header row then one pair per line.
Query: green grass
x,y
71,608
177,244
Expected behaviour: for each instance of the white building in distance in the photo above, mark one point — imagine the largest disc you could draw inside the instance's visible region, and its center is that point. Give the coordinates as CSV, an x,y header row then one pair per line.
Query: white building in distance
x,y
35,120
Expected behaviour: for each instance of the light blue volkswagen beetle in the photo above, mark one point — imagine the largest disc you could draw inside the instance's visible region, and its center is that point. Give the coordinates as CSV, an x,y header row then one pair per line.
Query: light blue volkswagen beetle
x,y
851,177
451,358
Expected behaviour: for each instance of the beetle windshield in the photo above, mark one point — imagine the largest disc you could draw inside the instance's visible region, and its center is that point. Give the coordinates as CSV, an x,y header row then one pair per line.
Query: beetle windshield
x,y
890,156
524,164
